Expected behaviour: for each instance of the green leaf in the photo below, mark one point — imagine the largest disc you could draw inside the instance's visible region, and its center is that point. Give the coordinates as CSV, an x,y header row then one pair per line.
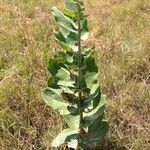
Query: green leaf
x,y
71,40
69,57
84,27
88,52
87,101
70,13
95,88
95,113
72,120
64,31
54,99
67,40
64,57
65,136
92,67
91,72
52,82
97,131
71,5
60,57
61,39
53,67
64,78
64,21
71,8
91,78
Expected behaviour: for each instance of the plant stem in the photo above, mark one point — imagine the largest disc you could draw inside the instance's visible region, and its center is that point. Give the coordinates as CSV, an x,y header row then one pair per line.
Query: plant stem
x,y
79,65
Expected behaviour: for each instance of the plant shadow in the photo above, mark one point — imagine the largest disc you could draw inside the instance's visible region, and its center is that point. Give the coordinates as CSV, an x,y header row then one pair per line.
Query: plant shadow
x,y
109,144
106,144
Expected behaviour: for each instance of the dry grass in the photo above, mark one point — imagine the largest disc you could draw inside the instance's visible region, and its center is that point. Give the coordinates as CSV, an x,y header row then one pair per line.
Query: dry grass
x,y
121,31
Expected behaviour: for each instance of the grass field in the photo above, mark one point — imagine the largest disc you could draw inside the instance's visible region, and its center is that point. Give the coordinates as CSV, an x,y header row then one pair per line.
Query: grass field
x,y
120,29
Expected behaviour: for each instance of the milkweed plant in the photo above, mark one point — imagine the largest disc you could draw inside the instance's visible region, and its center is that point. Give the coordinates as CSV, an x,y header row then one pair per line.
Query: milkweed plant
x,y
73,88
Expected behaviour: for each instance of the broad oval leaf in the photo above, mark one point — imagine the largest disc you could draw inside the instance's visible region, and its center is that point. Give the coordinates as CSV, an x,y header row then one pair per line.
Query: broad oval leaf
x,y
65,136
97,131
64,78
71,5
64,21
54,99
94,114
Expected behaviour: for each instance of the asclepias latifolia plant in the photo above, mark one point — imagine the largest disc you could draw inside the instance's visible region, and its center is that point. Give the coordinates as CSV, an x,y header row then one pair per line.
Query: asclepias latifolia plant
x,y
73,89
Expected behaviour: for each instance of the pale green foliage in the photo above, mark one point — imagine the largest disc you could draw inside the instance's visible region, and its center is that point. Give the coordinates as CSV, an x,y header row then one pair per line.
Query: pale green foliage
x,y
69,77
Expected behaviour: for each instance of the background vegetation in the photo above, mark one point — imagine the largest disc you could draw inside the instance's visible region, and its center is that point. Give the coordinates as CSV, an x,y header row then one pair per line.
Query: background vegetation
x,y
120,29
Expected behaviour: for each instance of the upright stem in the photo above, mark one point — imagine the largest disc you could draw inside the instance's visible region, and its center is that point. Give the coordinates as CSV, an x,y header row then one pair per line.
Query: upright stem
x,y
79,65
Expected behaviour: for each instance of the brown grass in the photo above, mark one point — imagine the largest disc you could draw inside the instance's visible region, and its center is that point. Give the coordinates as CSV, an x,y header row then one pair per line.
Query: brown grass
x,y
120,30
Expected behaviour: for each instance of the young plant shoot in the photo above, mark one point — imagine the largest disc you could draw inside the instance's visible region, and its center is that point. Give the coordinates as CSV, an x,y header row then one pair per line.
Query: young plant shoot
x,y
73,89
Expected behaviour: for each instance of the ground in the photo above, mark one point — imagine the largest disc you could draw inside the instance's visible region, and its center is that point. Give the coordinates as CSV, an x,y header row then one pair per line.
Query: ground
x,y
120,30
